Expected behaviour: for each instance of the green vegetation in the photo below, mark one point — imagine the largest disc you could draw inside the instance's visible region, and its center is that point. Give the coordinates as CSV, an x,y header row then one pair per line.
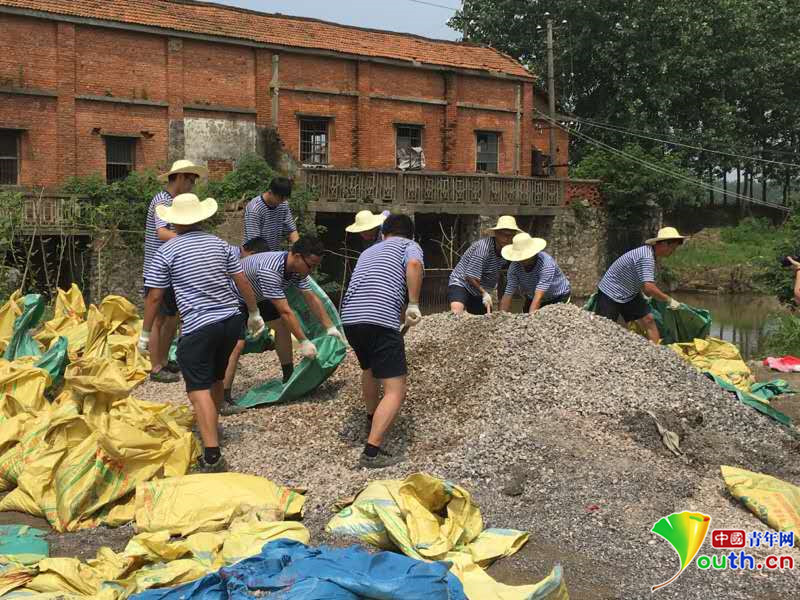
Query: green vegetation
x,y
782,336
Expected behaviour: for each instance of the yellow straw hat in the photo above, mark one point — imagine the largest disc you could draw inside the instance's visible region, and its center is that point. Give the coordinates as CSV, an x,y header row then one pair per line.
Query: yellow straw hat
x,y
666,234
523,247
365,221
184,166
187,209
506,222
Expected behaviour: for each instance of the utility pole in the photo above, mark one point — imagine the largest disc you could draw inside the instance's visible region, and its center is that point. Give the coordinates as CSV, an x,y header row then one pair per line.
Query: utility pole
x,y
551,93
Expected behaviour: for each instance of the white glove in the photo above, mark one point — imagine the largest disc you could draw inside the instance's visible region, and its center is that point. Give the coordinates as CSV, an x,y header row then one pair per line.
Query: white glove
x,y
413,315
308,349
255,324
487,301
673,304
333,332
144,342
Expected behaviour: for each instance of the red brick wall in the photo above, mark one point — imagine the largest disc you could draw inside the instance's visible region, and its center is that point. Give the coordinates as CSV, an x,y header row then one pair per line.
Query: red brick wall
x,y
389,80
27,53
384,116
219,74
39,142
122,64
317,72
488,92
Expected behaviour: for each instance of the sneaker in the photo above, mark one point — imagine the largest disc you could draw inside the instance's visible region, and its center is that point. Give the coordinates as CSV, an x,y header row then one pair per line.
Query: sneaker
x,y
229,408
164,376
218,467
172,367
381,461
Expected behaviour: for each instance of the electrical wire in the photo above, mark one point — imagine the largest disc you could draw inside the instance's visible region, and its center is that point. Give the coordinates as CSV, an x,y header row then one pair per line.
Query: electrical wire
x,y
659,169
434,4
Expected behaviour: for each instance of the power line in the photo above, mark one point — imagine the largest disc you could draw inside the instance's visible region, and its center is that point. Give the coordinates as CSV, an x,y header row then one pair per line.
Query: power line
x,y
616,129
433,4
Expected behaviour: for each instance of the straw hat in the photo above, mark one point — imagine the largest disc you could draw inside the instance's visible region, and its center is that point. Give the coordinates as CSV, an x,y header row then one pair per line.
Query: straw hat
x,y
187,209
666,234
523,247
365,221
184,166
505,222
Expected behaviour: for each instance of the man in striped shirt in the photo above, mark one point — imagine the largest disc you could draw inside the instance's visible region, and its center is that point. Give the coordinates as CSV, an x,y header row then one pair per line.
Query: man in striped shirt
x,y
180,179
269,216
622,289
387,275
271,274
198,267
478,271
534,274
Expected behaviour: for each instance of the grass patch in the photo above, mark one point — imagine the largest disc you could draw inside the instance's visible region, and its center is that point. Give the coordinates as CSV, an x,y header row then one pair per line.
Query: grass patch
x,y
782,336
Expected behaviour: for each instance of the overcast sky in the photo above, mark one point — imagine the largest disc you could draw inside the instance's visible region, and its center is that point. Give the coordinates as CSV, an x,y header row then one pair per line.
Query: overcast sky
x,y
395,15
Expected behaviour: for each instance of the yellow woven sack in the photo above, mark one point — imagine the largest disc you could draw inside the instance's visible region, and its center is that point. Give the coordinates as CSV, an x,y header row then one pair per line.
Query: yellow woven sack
x,y
774,501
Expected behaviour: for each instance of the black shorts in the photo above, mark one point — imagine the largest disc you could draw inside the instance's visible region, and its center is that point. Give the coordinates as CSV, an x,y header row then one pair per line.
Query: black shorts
x,y
379,349
632,310
557,300
203,354
169,305
473,304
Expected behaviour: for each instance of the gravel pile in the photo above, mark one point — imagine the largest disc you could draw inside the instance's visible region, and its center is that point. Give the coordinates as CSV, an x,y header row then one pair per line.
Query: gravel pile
x,y
544,419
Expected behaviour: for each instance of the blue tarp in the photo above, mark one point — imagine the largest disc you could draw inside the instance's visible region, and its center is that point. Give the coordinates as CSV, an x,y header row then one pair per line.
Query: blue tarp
x,y
289,570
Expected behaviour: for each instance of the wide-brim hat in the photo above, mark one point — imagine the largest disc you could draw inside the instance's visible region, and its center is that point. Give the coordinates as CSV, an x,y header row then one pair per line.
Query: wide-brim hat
x,y
184,166
523,247
666,234
187,209
506,222
365,221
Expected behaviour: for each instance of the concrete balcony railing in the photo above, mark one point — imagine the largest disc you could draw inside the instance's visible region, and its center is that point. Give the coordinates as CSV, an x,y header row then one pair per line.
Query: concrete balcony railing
x,y
349,190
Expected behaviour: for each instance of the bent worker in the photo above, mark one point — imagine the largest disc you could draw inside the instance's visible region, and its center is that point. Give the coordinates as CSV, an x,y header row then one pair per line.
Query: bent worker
x,y
271,274
622,289
534,274
228,407
180,179
478,271
198,266
268,215
385,275
368,226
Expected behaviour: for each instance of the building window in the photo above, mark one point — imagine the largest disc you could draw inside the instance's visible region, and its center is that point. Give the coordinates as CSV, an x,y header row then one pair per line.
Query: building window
x,y
486,155
314,141
120,157
408,136
9,157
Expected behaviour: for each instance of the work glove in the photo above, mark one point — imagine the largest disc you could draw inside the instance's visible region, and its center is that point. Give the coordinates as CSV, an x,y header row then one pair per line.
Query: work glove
x,y
487,301
413,315
673,304
308,349
334,332
144,343
255,324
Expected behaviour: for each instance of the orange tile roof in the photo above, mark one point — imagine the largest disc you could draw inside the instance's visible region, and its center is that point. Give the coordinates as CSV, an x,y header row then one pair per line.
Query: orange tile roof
x,y
225,21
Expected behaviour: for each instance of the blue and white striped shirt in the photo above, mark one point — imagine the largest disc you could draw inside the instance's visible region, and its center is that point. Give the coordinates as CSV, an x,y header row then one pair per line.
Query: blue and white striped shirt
x,y
626,276
545,276
378,289
480,261
266,272
198,266
151,226
272,224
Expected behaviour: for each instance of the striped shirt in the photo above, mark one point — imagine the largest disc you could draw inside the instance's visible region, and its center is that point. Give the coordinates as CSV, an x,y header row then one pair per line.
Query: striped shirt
x,y
152,224
272,224
378,289
266,272
545,276
198,266
626,276
481,262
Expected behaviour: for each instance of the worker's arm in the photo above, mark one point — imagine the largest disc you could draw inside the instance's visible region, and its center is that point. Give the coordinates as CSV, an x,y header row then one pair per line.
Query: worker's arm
x,y
315,304
288,317
151,304
293,236
476,283
246,290
651,289
165,233
538,296
505,302
414,274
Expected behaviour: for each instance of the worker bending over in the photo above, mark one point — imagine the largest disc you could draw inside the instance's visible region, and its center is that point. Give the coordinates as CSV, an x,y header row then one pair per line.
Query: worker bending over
x,y
268,215
534,274
478,271
198,266
622,289
387,275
